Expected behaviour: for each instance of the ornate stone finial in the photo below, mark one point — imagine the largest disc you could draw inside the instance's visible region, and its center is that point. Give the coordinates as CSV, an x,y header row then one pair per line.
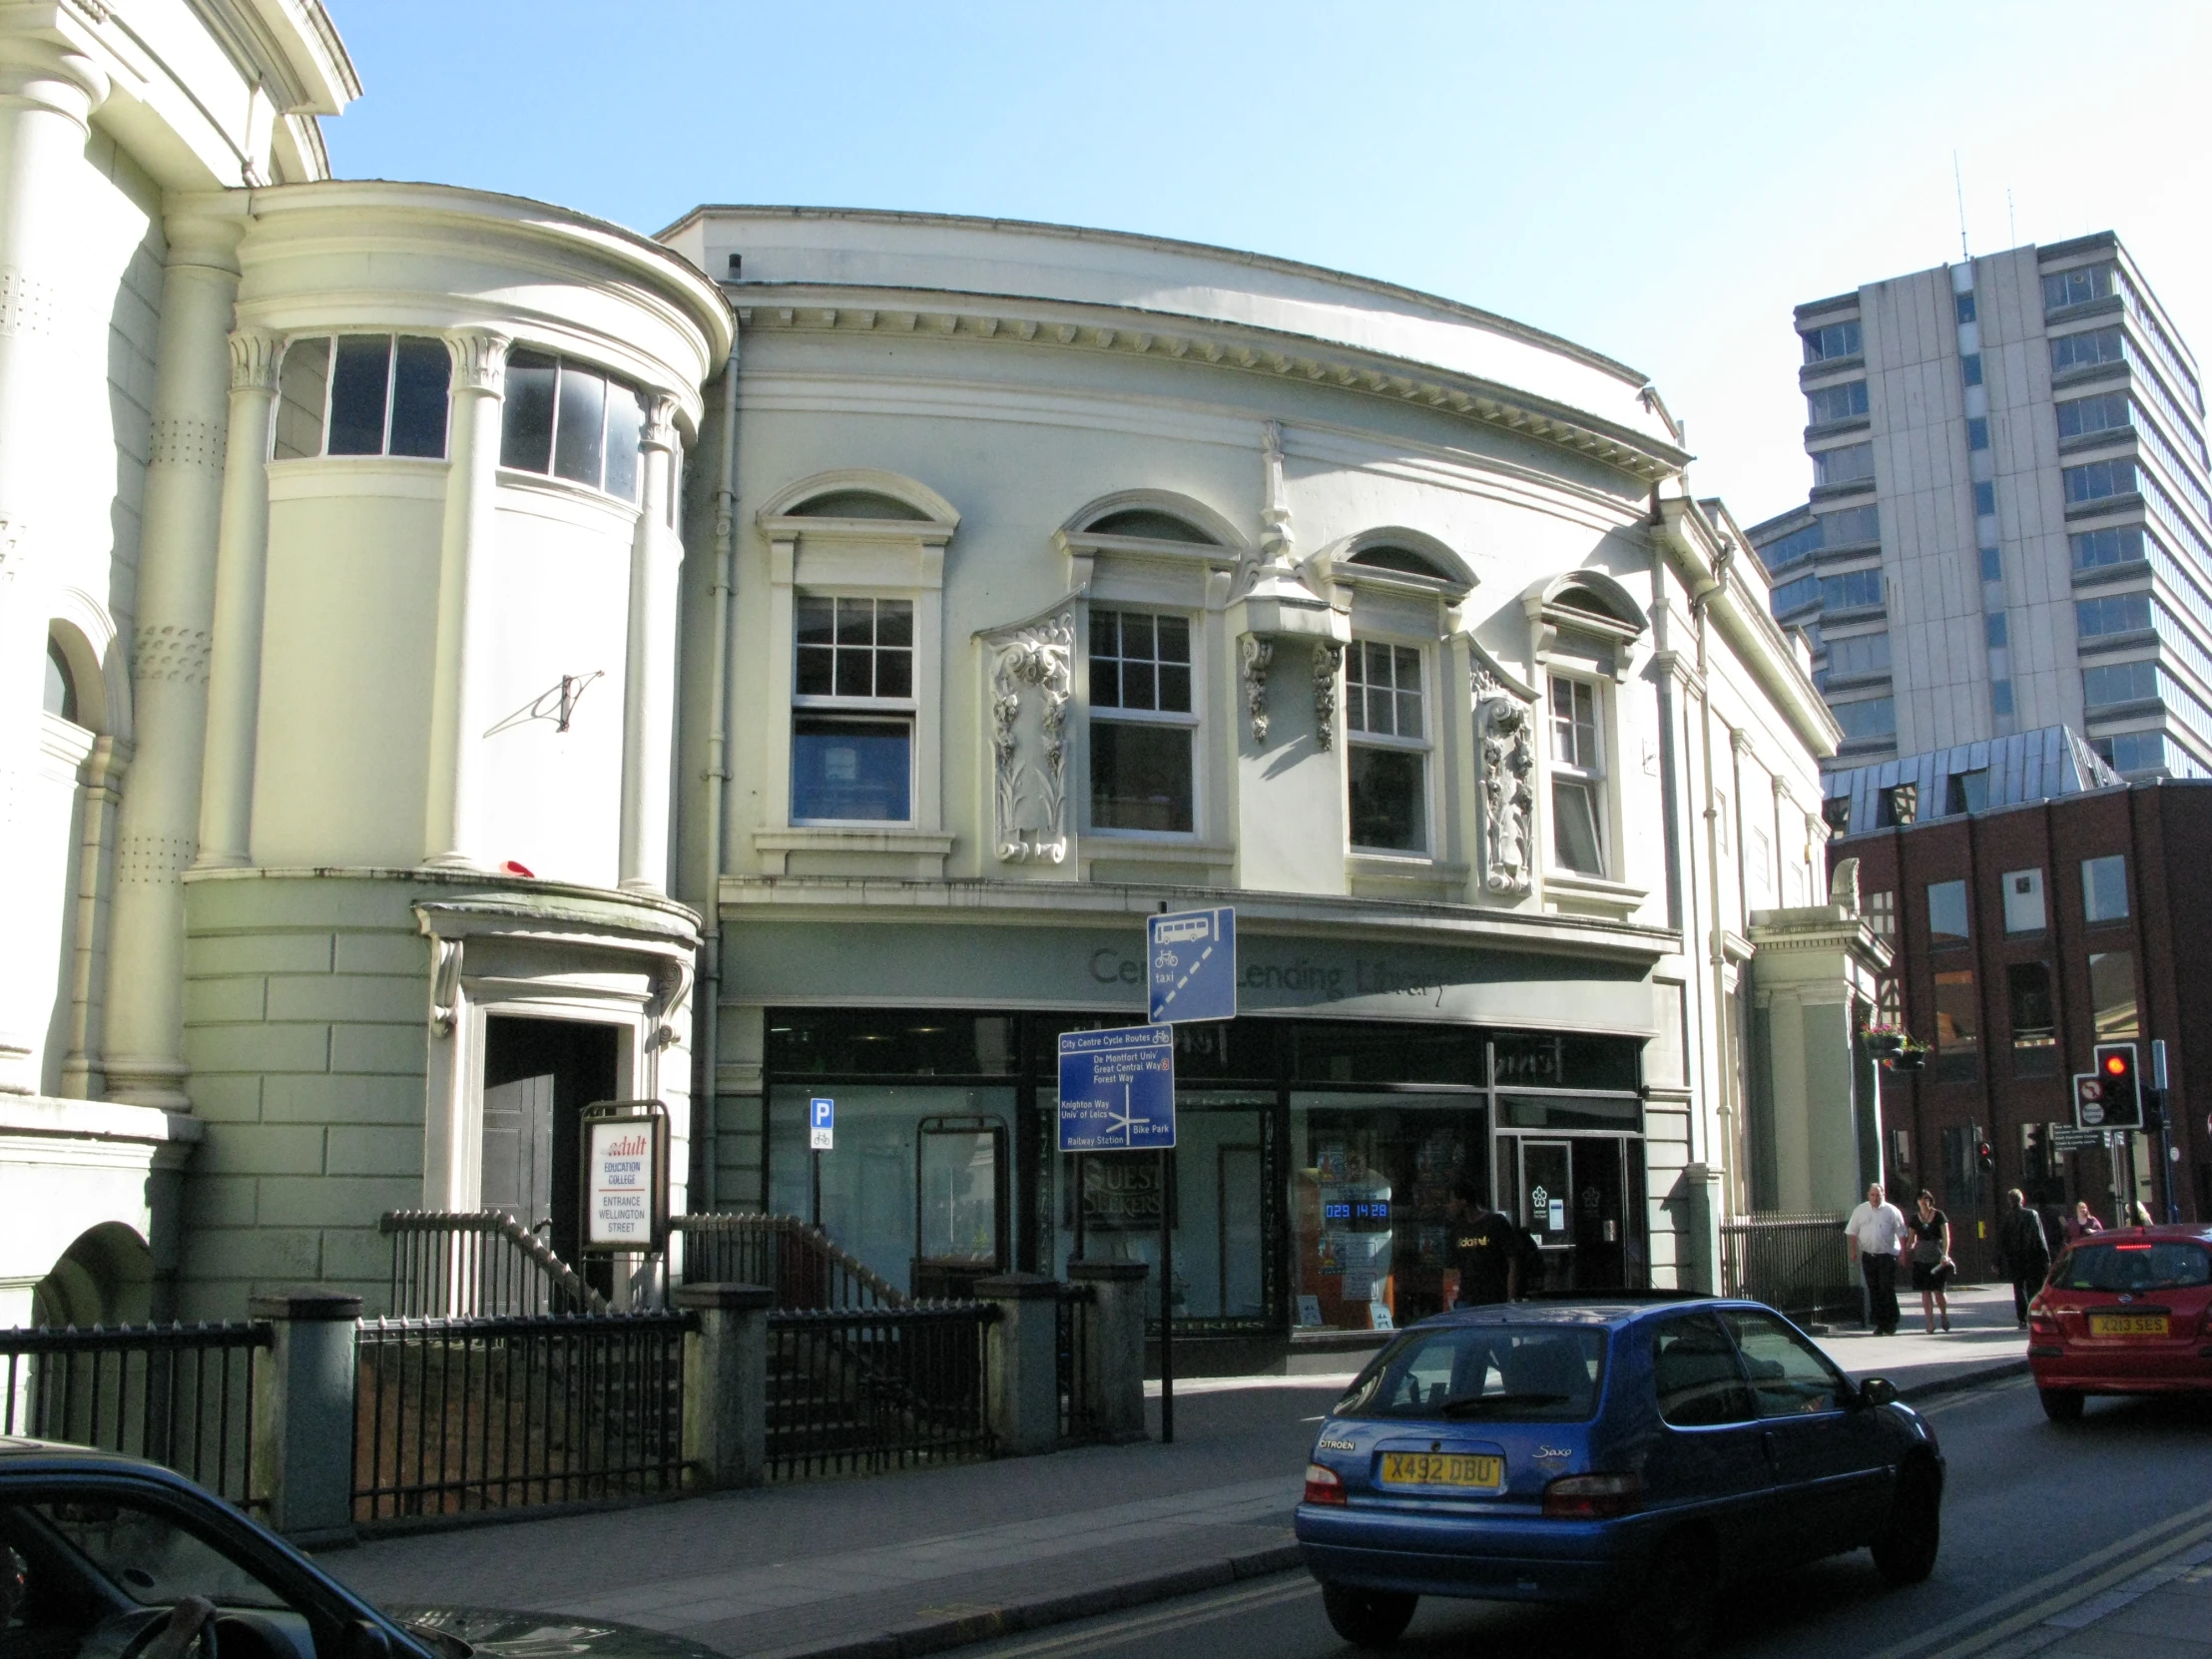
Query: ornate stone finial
x,y
1329,656
479,359
254,354
1275,508
1255,653
1505,746
1843,890
660,421
1030,797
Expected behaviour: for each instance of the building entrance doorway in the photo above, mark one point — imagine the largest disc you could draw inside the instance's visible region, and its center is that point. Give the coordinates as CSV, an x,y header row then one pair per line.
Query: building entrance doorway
x,y
1580,1197
539,1075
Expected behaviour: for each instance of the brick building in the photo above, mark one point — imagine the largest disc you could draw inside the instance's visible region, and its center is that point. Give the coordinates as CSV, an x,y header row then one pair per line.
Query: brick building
x,y
2023,936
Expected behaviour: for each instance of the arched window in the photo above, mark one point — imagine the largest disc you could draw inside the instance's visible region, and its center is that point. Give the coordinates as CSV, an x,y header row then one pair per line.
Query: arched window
x,y
61,682
1401,559
1150,524
859,504
362,394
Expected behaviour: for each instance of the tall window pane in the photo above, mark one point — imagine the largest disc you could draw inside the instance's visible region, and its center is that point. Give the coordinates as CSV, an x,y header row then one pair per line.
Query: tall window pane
x,y
624,426
526,431
1389,795
421,369
1946,912
301,386
2034,1020
2104,889
1957,1027
360,377
580,436
2112,995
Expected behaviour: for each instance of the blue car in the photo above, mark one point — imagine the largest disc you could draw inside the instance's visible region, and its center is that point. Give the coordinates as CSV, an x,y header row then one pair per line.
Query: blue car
x,y
1632,1457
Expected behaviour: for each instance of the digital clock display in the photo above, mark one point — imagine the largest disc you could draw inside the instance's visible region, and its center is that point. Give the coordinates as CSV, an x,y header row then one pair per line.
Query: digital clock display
x,y
1357,1211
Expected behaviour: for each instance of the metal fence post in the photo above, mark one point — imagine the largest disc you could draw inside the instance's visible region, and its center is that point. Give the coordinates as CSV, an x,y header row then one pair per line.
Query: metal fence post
x,y
726,1383
1023,1344
303,1414
1113,1357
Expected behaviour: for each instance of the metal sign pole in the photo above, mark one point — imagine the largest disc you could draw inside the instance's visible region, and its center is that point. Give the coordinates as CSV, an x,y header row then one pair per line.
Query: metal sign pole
x,y
1167,1297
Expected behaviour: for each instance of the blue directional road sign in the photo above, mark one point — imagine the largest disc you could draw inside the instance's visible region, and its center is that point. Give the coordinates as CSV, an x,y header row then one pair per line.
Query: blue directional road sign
x,y
1192,961
822,1124
1117,1089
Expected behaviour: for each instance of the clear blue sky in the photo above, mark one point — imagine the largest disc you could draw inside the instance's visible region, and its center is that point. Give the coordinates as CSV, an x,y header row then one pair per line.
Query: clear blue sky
x,y
1658,183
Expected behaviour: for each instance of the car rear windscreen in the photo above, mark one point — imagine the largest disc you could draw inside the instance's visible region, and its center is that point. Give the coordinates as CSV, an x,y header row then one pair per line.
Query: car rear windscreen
x,y
1493,1373
2163,1265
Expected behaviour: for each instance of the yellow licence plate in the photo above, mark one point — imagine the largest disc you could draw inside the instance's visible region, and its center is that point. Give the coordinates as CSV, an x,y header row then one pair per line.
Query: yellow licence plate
x,y
2127,1325
1442,1468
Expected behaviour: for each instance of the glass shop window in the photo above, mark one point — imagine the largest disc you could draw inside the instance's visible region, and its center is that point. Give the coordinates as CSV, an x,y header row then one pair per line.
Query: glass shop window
x,y
361,395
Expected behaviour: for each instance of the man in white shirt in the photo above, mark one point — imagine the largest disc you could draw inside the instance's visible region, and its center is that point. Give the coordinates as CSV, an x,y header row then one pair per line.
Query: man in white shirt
x,y
1876,1231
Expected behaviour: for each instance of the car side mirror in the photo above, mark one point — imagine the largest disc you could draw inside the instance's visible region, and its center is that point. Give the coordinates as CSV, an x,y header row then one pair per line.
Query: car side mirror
x,y
1878,1391
364,1640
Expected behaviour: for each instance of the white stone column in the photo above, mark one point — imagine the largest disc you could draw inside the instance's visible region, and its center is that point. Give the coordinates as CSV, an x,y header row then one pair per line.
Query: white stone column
x,y
158,821
649,686
241,581
47,96
457,702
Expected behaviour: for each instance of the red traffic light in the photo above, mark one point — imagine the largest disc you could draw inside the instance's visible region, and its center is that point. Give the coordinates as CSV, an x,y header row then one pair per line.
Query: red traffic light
x,y
2118,1065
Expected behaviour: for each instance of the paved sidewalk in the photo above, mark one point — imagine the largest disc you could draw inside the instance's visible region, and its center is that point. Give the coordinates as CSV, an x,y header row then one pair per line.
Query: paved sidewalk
x,y
913,1564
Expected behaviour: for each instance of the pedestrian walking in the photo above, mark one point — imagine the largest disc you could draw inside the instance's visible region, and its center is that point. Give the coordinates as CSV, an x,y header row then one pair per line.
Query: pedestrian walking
x,y
1486,1248
2084,1222
2022,1252
1875,1232
1932,1266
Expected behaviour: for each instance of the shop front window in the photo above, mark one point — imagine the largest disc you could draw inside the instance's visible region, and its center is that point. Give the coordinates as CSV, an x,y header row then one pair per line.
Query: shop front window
x,y
1372,1183
916,1182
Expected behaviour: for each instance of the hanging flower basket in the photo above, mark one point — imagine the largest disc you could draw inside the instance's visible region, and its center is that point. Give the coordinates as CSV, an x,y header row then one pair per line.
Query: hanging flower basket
x,y
1913,1057
1883,1040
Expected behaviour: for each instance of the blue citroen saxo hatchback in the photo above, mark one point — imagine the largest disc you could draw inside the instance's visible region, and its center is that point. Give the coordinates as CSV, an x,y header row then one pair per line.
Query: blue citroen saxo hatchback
x,y
1633,1456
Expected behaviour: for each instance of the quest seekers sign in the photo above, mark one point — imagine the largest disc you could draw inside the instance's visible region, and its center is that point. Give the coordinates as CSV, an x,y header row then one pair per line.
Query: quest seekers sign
x,y
626,1177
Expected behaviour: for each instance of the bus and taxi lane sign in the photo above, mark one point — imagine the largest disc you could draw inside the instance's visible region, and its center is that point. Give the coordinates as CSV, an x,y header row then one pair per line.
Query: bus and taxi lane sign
x,y
1191,966
1117,1089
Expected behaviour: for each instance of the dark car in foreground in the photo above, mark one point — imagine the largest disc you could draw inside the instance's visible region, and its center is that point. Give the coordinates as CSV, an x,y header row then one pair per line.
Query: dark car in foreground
x,y
108,1557
1632,1457
2127,1311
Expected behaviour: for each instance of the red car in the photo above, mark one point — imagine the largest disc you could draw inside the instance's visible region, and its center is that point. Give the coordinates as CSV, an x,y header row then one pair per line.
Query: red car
x,y
2127,1311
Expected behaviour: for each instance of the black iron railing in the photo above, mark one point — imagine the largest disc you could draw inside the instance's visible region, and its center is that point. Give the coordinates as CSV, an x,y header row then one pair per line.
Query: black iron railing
x,y
858,1392
1074,1308
798,1263
477,1263
177,1395
1798,1264
452,1417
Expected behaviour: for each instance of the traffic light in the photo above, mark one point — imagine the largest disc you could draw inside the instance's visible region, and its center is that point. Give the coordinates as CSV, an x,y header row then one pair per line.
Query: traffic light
x,y
2122,1097
1985,1154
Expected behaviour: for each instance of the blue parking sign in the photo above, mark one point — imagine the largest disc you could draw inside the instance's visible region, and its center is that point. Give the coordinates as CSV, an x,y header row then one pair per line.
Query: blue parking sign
x,y
1117,1089
822,1124
1191,966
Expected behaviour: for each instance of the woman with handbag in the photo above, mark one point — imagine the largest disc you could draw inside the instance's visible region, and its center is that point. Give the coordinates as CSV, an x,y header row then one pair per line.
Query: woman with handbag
x,y
1933,1268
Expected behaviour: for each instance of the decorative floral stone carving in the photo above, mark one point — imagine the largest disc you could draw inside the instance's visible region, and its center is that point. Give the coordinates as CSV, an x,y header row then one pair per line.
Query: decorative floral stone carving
x,y
1030,791
1505,744
1329,656
1255,654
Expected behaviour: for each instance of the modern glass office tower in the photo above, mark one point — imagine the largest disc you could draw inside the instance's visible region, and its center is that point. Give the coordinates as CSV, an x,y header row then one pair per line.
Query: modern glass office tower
x,y
2009,526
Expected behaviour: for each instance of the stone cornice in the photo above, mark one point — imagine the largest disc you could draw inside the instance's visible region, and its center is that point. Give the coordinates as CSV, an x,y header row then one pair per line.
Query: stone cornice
x,y
1060,903
1069,326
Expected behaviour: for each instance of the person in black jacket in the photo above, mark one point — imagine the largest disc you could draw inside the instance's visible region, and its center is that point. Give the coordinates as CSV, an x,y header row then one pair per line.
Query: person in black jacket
x,y
2023,1254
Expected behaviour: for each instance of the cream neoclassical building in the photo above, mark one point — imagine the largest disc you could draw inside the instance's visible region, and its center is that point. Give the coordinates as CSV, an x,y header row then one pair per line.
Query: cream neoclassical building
x,y
446,682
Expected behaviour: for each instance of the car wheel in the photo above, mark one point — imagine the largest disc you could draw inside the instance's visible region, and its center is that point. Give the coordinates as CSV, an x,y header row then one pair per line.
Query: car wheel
x,y
1906,1549
1367,1618
1673,1616
2061,1404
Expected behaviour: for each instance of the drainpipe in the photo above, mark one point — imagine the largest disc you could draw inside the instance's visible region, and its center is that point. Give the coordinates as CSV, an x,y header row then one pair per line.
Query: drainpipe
x,y
1724,1016
717,781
